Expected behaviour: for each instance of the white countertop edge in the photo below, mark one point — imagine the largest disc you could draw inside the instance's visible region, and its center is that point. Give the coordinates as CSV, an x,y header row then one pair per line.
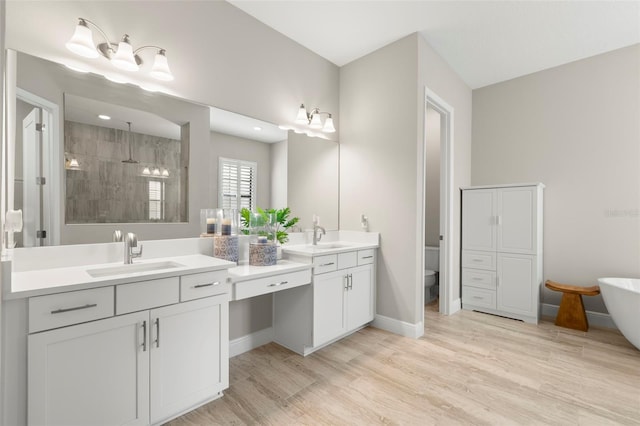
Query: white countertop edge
x,y
248,272
307,250
58,280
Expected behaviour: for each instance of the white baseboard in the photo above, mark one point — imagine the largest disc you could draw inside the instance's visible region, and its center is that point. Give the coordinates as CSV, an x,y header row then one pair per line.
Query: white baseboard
x,y
455,306
250,341
398,327
595,318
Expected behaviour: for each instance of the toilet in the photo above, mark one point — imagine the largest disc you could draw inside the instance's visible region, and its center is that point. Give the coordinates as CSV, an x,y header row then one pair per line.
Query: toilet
x,y
431,267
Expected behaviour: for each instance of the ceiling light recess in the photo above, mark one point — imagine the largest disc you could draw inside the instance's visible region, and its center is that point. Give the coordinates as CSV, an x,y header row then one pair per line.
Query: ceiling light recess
x,y
121,55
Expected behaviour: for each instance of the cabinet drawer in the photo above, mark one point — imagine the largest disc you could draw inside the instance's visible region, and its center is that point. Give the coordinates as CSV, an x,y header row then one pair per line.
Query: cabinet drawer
x,y
479,260
62,309
251,288
147,294
478,297
206,284
365,257
322,264
347,260
479,278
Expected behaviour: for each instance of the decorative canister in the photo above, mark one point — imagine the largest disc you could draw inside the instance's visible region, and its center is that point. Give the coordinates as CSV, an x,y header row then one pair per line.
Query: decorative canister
x,y
262,254
225,247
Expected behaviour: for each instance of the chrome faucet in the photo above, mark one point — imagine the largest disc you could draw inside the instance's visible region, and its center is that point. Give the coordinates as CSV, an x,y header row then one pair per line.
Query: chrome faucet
x,y
317,237
131,241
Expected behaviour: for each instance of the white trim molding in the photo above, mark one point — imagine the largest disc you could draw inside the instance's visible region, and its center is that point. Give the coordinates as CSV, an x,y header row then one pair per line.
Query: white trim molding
x,y
597,319
250,341
398,327
455,306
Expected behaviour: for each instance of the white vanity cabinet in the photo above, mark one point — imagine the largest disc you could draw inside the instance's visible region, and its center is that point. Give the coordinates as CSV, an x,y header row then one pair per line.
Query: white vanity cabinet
x,y
163,352
91,373
502,250
339,301
189,355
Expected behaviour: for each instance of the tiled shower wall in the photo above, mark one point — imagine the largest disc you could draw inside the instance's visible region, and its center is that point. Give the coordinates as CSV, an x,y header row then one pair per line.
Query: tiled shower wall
x,y
106,190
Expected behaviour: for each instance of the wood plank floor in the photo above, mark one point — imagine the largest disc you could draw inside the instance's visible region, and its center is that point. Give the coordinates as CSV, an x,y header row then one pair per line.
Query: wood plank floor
x,y
468,368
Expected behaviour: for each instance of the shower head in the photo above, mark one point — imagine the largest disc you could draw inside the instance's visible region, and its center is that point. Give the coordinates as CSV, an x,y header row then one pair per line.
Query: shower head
x,y
130,160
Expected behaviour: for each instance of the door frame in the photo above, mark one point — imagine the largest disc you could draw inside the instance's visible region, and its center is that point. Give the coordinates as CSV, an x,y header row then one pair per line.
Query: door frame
x,y
447,305
51,162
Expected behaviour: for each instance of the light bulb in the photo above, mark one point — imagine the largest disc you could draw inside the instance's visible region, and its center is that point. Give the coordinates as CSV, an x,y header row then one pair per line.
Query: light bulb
x,y
302,115
328,126
123,58
160,69
81,43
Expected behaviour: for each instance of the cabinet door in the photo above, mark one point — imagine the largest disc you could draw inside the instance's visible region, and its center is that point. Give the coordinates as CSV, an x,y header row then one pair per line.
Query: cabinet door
x,y
360,297
95,373
328,306
479,219
516,220
517,288
189,355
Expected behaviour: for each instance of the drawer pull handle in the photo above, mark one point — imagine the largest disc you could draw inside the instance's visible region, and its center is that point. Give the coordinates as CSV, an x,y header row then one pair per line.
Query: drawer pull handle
x,y
476,260
206,285
144,336
77,308
476,279
327,264
367,257
279,284
478,297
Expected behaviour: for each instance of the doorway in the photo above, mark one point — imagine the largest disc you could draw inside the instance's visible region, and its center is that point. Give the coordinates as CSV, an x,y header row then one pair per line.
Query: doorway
x,y
437,196
37,171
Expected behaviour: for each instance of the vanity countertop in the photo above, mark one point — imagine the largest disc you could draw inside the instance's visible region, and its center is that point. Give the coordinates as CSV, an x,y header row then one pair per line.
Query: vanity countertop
x,y
325,248
56,280
249,272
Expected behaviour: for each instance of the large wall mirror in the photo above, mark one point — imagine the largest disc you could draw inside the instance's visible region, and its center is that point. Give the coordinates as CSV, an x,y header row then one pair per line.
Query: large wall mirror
x,y
151,167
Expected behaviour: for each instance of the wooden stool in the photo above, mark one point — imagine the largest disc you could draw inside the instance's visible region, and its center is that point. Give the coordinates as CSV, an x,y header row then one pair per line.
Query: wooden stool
x,y
571,313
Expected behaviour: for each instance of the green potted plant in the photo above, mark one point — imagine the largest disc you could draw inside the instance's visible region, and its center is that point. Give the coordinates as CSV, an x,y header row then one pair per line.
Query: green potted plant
x,y
275,223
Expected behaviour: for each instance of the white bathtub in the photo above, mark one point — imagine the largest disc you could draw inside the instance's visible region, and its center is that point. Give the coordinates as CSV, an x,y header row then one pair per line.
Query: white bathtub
x,y
622,298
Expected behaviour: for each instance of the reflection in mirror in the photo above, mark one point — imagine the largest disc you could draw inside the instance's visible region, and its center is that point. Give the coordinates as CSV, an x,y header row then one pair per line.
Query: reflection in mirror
x,y
122,164
74,168
292,170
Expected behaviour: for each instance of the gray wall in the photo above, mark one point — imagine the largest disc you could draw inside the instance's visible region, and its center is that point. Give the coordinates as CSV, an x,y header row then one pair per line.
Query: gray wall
x,y
381,168
218,54
575,129
432,185
312,180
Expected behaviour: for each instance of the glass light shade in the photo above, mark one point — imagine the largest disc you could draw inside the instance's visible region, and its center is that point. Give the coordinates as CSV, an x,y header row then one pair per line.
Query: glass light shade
x,y
74,163
156,172
328,126
123,58
146,171
316,123
81,43
165,172
302,115
160,68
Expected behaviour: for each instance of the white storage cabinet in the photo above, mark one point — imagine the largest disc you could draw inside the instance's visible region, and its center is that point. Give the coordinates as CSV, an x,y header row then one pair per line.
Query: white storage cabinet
x,y
502,250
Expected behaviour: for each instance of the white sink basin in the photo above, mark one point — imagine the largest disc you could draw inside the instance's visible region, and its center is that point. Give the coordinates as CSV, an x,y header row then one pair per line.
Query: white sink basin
x,y
329,246
134,267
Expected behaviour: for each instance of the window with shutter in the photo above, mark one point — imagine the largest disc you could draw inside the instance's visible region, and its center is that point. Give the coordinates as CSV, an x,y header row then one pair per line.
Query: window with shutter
x,y
237,184
156,200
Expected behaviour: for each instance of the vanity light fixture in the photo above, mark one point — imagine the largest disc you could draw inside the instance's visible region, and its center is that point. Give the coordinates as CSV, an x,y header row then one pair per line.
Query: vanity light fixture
x,y
121,55
312,119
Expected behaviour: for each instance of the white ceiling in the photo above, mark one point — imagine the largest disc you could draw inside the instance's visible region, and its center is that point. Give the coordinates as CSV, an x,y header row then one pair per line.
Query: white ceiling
x,y
485,42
